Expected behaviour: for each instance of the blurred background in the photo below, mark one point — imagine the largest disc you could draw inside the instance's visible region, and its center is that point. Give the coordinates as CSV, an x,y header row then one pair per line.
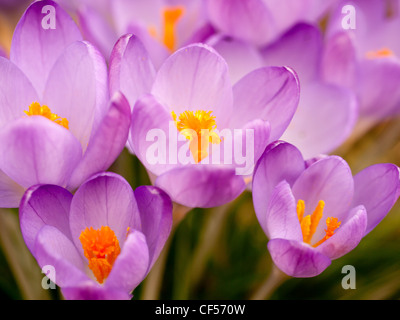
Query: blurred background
x,y
221,253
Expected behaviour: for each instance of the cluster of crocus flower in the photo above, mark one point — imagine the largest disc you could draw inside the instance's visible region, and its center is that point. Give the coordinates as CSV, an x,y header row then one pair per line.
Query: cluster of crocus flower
x,y
212,97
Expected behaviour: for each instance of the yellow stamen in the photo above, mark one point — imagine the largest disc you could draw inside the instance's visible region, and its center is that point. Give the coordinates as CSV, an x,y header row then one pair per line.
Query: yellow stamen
x,y
101,248
382,53
171,16
198,127
35,109
310,223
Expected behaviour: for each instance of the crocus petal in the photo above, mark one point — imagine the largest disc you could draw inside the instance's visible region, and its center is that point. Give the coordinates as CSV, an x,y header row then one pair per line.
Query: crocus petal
x,y
53,248
12,83
329,179
132,263
300,49
201,186
256,23
44,205
104,200
10,192
195,78
131,70
37,44
376,188
324,119
35,150
107,143
347,236
281,220
272,93
155,209
281,161
297,259
77,89
92,291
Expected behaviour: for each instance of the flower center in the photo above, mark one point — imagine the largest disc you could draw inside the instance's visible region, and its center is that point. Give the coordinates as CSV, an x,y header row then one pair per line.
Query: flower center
x,y
101,248
381,53
310,223
35,109
170,18
198,127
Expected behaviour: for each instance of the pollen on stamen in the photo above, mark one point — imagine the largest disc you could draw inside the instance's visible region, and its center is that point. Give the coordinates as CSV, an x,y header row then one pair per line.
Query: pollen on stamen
x,y
35,109
381,53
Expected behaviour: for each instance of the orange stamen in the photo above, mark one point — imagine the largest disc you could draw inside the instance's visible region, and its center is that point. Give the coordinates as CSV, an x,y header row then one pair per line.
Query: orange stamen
x,y
382,53
35,109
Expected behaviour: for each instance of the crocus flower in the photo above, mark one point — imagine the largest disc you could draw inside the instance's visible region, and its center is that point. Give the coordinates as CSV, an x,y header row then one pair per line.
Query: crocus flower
x,y
362,52
191,101
162,25
102,241
58,124
315,211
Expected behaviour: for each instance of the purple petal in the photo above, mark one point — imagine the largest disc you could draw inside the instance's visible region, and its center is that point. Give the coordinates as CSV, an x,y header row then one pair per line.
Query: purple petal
x,y
195,78
347,236
12,83
10,192
155,209
269,93
300,49
201,186
324,119
44,205
297,259
104,200
281,219
107,143
377,189
35,150
53,248
90,290
35,49
131,70
330,180
132,263
77,89
280,162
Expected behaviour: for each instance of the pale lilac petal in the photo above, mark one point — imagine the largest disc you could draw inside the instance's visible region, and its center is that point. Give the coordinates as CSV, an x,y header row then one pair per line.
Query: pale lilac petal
x,y
269,93
130,268
281,219
44,205
35,150
377,189
201,186
35,49
10,192
324,119
329,179
248,20
77,89
300,49
89,290
155,209
12,83
347,236
280,162
107,143
53,248
131,70
195,78
297,259
105,200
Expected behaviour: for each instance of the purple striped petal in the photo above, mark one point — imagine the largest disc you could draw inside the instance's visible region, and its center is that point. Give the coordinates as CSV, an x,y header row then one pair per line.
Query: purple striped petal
x,y
90,290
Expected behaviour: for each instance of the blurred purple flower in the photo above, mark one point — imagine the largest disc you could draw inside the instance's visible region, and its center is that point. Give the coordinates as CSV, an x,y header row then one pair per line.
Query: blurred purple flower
x,y
53,74
366,58
193,89
293,200
102,241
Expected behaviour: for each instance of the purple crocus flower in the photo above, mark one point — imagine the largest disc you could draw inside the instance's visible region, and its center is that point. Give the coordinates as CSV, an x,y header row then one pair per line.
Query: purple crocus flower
x,y
102,241
362,52
58,124
316,211
192,92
